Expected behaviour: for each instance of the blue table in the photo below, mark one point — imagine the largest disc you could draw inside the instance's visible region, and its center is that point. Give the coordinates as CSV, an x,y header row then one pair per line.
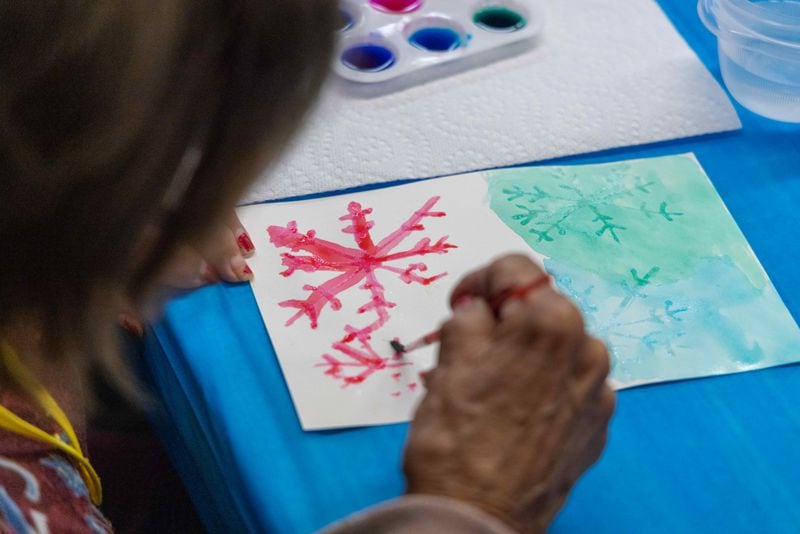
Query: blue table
x,y
711,455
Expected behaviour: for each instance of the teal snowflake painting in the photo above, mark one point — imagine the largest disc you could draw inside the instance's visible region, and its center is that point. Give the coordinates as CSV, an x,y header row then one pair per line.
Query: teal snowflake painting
x,y
649,252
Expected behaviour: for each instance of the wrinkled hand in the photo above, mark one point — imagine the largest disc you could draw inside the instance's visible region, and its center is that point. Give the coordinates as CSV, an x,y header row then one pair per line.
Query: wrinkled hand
x,y
518,406
220,258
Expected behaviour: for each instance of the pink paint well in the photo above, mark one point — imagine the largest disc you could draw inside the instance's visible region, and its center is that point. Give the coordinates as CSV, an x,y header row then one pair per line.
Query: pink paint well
x,y
396,6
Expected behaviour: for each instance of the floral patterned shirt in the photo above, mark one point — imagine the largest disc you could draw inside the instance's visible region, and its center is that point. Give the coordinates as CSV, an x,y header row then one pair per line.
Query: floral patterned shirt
x,y
40,489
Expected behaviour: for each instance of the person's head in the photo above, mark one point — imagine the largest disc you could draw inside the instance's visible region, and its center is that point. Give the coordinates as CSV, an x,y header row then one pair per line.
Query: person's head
x,y
121,115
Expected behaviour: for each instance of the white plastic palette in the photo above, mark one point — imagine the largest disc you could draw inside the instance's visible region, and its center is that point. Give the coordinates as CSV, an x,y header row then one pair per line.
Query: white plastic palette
x,y
386,39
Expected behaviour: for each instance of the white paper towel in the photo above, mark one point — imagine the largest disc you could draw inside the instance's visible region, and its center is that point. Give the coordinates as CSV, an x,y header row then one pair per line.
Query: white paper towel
x,y
607,73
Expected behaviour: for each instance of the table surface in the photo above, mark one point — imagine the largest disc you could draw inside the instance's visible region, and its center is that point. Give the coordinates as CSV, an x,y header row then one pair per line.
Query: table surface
x,y
715,454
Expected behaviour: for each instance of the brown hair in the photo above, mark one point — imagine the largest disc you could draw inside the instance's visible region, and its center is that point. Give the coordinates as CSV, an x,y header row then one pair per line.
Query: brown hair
x,y
119,114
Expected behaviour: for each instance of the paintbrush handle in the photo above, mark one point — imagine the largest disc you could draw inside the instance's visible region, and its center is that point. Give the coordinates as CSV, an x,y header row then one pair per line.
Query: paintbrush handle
x,y
424,341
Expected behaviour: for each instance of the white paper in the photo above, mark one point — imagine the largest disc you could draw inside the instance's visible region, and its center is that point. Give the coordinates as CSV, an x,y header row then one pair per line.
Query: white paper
x,y
645,248
385,396
607,73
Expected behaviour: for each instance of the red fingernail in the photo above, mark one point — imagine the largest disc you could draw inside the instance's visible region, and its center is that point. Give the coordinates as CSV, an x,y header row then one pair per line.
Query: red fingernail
x,y
134,328
247,270
462,301
245,243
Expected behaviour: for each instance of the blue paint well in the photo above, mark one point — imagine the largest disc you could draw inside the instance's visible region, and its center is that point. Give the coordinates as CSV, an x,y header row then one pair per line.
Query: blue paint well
x,y
368,57
436,39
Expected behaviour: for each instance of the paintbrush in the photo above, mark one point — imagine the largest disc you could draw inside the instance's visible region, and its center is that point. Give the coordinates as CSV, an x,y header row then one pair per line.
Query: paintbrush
x,y
496,304
427,339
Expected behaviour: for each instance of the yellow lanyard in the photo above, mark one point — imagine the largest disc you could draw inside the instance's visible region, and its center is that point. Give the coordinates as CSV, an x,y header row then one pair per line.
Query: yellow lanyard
x,y
11,422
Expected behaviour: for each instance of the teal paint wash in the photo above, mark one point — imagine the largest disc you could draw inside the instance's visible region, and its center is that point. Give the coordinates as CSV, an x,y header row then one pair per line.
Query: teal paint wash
x,y
650,254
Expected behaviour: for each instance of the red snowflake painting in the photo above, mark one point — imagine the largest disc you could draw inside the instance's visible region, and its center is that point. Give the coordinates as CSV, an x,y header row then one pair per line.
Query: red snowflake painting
x,y
353,358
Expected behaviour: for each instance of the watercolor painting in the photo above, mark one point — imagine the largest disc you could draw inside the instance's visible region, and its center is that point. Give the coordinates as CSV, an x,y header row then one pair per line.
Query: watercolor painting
x,y
355,358
646,248
656,263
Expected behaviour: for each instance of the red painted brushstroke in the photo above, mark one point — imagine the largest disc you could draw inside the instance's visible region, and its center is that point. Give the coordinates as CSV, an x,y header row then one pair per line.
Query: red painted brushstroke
x,y
356,267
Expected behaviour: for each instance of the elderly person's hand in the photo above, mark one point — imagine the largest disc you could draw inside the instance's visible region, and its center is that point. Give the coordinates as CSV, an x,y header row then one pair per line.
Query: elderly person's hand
x,y
518,407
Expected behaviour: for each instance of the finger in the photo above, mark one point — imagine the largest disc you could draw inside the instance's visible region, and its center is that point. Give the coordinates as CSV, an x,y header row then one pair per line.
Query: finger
x,y
607,403
547,324
129,315
498,278
224,256
467,333
185,270
425,376
133,324
246,246
589,435
471,285
593,359
595,424
508,273
591,369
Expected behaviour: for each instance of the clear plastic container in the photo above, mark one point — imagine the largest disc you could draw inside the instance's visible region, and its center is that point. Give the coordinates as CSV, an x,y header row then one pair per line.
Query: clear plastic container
x,y
759,52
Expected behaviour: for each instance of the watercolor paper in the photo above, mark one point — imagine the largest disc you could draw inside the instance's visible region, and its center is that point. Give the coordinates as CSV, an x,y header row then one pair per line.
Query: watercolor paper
x,y
646,248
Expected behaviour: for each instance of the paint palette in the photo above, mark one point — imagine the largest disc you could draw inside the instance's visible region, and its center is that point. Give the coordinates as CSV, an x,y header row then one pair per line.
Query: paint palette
x,y
385,39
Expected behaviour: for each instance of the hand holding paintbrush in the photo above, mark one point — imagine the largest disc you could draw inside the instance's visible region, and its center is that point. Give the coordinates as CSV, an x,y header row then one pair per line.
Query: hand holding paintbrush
x,y
517,406
517,292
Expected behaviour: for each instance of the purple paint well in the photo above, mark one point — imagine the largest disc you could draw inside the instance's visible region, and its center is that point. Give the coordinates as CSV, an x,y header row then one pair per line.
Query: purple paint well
x,y
368,57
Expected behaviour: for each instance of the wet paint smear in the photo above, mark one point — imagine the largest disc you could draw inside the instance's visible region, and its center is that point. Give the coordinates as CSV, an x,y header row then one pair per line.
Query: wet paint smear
x,y
396,6
436,39
368,58
499,19
345,20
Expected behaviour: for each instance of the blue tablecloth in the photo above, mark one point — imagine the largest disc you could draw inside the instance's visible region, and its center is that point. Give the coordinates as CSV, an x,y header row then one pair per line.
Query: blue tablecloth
x,y
710,455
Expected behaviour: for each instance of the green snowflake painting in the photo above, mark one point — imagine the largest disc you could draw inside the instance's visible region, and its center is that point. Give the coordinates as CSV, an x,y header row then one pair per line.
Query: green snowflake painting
x,y
652,256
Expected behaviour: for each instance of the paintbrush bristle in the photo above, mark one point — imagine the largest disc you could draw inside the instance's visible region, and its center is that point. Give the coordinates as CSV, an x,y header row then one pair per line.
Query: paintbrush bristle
x,y
398,347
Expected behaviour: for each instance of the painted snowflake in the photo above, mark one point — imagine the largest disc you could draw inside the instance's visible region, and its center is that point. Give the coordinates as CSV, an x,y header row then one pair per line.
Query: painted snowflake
x,y
549,214
353,358
635,318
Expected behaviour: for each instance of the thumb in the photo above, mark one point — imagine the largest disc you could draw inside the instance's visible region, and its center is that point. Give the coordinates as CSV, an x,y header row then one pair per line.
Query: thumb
x,y
469,331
